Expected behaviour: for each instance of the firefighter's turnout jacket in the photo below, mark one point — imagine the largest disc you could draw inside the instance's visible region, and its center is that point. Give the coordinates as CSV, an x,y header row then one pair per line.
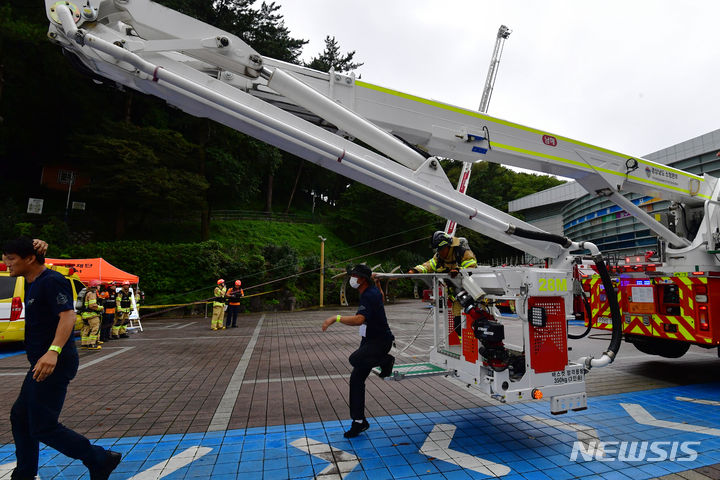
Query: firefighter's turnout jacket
x,y
219,300
458,256
91,320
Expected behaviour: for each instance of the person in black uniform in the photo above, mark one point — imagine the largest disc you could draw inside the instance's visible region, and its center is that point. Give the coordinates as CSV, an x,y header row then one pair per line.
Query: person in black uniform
x,y
50,347
108,319
377,339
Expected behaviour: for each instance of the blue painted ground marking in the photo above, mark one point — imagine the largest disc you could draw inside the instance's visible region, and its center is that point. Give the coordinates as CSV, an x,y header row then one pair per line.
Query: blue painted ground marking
x,y
391,448
11,352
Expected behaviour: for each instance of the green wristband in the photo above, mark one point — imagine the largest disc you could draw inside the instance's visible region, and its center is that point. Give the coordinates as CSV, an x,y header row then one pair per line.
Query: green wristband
x,y
55,348
337,319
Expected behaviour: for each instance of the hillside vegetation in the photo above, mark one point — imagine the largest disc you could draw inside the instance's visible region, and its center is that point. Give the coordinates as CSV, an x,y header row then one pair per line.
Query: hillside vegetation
x,y
265,256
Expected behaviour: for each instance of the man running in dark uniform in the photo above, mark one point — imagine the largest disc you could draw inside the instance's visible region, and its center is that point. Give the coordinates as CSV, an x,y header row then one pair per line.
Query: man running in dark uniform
x,y
376,342
49,322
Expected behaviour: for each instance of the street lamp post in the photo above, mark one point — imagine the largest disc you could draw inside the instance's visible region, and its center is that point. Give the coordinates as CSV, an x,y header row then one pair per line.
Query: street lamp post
x,y
322,267
67,202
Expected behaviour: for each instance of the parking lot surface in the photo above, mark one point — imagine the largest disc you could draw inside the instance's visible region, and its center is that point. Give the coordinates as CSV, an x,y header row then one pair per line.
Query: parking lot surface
x,y
269,400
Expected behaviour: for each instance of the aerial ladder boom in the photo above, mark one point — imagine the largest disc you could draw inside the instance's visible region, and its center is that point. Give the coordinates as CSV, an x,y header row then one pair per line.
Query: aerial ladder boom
x,y
447,131
393,122
502,35
210,73
466,170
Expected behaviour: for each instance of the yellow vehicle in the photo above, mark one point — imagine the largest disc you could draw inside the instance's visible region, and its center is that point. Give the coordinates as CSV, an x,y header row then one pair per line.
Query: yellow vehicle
x,y
12,302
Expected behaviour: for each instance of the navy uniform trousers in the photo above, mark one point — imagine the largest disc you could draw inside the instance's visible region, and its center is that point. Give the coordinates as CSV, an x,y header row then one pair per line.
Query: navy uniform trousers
x,y
372,353
34,419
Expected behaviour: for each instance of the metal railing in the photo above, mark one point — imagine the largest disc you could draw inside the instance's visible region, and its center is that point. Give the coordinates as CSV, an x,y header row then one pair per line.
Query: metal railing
x,y
260,215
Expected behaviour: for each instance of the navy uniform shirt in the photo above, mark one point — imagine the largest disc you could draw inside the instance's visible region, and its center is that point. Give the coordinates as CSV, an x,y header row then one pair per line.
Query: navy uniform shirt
x,y
372,308
45,298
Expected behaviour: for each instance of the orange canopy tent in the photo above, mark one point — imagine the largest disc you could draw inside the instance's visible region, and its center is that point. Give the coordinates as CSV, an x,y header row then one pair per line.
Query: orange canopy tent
x,y
94,269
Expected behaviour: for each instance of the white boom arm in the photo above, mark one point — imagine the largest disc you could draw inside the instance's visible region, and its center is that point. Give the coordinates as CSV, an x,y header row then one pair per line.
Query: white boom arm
x,y
210,73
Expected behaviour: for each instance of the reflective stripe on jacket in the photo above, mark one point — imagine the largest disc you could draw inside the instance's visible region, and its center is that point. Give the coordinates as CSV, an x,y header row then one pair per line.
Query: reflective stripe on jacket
x,y
219,295
450,261
92,309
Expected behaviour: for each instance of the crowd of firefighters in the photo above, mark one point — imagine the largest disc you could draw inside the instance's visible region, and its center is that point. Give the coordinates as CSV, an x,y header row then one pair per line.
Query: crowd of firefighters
x,y
226,299
105,313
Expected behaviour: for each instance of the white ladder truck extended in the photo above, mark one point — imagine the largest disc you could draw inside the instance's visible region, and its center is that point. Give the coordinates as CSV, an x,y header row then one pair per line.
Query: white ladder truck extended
x,y
210,73
464,179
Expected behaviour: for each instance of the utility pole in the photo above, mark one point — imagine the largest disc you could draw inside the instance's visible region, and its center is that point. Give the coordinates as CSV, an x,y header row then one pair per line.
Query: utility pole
x,y
322,267
502,35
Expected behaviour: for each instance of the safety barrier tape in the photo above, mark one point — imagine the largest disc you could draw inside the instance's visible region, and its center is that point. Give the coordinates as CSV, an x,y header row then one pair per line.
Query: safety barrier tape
x,y
203,302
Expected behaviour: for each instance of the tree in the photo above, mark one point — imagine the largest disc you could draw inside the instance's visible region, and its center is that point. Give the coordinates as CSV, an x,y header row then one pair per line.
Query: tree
x,y
270,37
140,171
262,28
331,58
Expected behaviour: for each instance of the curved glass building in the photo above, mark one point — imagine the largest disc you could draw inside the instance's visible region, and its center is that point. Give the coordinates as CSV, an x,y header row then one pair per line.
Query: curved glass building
x,y
568,209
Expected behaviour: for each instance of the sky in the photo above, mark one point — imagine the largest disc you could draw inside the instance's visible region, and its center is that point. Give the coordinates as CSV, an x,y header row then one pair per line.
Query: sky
x,y
633,76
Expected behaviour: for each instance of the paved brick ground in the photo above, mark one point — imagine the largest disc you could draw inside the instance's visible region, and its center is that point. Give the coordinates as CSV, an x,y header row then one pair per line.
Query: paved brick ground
x,y
170,379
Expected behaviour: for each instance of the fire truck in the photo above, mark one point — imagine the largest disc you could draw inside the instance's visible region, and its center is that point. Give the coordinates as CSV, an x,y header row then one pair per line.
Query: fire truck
x,y
317,116
664,311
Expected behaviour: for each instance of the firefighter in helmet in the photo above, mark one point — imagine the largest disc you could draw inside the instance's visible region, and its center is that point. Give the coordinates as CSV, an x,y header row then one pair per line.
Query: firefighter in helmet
x,y
91,317
107,296
123,302
218,306
234,295
451,254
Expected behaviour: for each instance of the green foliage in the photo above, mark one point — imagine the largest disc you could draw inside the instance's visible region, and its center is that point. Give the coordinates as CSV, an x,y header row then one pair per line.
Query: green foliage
x,y
55,232
255,252
282,257
496,185
10,216
158,166
24,229
167,272
407,259
262,28
332,58
14,25
271,36
235,165
365,214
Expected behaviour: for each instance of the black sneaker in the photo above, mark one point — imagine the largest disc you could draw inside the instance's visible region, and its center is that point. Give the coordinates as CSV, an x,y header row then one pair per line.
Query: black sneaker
x,y
112,460
16,476
356,429
387,369
124,335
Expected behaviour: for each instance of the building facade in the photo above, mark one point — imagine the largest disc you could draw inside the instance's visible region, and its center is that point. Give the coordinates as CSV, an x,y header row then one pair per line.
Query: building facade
x,y
568,210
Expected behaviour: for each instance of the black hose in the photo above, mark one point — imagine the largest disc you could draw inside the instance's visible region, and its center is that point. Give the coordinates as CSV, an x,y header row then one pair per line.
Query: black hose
x,y
616,338
535,235
588,310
